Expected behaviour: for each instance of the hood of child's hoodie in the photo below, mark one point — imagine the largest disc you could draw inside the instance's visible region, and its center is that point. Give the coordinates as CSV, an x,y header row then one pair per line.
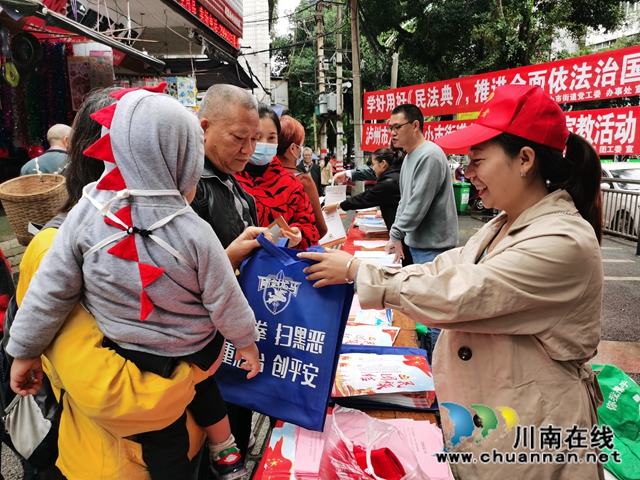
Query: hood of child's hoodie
x,y
157,144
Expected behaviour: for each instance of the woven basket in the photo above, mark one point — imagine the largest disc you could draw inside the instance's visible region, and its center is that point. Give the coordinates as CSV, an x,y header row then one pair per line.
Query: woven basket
x,y
32,199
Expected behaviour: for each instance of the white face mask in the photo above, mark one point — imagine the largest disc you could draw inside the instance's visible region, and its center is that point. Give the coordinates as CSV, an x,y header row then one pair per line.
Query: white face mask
x,y
264,153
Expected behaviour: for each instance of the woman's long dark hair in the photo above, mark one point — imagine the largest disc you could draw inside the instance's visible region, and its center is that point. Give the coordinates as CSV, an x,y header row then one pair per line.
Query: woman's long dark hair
x,y
578,172
393,156
81,170
265,111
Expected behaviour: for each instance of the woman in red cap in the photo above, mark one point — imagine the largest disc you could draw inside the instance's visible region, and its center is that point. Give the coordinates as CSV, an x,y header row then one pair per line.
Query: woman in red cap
x,y
519,305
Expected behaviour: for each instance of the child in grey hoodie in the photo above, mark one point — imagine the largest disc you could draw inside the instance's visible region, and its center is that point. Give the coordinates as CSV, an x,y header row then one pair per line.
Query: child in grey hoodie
x,y
152,273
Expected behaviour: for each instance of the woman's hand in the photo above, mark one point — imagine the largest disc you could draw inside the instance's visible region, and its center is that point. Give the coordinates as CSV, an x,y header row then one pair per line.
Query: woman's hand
x,y
330,208
26,376
240,249
331,269
294,236
340,177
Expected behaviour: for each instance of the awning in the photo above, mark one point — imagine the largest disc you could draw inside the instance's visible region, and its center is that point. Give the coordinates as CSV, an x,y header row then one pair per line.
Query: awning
x,y
23,8
210,72
56,20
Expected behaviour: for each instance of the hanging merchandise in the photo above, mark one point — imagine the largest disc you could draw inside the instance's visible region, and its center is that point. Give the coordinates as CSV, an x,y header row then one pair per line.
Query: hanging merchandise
x,y
100,69
187,91
79,80
26,52
9,70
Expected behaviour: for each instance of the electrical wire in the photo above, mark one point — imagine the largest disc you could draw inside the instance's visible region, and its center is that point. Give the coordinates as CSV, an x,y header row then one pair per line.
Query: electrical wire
x,y
297,44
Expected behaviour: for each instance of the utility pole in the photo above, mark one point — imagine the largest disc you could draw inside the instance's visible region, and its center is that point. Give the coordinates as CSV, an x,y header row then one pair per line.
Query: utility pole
x,y
357,83
394,70
315,132
322,96
339,128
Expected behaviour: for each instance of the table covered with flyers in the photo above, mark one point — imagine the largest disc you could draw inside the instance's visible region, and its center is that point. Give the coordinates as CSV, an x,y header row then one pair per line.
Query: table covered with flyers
x,y
368,340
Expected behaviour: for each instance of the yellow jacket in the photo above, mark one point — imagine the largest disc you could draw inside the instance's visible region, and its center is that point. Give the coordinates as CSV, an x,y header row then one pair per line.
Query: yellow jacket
x,y
106,397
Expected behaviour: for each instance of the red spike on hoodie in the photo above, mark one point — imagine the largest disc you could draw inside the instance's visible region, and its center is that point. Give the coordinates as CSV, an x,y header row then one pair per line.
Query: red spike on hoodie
x,y
160,88
149,273
118,94
104,116
101,149
125,249
146,306
121,93
123,214
112,181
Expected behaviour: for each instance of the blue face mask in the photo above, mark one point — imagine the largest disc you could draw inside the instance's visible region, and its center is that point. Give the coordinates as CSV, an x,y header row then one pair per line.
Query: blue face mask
x,y
264,153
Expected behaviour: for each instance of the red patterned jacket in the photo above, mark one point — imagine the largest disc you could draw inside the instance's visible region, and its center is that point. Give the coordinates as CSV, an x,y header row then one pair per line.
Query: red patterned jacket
x,y
278,192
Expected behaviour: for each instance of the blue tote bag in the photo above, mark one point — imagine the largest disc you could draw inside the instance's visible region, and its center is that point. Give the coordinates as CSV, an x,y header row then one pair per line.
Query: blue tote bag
x,y
301,331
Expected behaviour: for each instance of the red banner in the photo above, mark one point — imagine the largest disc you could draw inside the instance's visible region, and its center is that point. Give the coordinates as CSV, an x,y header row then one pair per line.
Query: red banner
x,y
612,131
599,76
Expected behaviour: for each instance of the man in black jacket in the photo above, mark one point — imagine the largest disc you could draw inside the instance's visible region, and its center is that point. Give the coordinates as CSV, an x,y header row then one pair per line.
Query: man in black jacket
x,y
229,117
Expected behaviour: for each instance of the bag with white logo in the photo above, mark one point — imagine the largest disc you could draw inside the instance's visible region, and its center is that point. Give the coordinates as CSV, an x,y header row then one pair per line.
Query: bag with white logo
x,y
301,329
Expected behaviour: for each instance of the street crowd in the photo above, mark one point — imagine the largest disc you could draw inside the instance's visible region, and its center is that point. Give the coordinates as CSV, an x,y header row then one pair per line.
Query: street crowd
x,y
126,297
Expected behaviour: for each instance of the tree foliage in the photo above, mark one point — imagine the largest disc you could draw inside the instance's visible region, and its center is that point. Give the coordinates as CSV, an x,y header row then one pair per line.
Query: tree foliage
x,y
449,38
436,40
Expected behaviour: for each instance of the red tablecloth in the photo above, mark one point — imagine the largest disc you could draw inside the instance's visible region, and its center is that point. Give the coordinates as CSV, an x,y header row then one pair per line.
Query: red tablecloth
x,y
354,234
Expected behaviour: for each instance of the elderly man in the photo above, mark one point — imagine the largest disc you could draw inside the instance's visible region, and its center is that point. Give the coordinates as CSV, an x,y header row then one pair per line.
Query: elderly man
x,y
307,166
229,117
56,157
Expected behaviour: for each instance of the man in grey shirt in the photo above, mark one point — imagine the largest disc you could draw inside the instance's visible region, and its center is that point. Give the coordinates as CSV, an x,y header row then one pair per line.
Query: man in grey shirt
x,y
426,218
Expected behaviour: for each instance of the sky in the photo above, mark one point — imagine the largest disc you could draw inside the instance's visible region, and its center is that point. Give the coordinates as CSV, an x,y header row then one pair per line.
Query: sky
x,y
285,7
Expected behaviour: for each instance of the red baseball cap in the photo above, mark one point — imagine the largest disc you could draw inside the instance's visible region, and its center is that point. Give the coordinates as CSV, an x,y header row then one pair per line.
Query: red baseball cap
x,y
521,110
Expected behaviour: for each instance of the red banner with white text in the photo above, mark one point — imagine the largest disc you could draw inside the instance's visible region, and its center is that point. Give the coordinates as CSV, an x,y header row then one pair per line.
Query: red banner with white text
x,y
612,131
598,76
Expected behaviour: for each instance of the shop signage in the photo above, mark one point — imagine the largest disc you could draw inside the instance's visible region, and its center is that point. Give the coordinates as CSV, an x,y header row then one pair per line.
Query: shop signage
x,y
212,15
598,76
227,13
612,131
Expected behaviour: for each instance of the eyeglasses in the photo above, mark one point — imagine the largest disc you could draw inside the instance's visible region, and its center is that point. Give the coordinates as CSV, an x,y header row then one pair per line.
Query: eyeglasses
x,y
395,128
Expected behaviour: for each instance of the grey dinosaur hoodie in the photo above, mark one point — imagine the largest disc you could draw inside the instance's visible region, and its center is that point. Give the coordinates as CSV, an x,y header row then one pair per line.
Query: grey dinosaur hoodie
x,y
157,145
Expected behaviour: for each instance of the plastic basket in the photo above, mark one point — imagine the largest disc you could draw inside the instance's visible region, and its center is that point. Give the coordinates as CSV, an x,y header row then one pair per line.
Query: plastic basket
x,y
32,198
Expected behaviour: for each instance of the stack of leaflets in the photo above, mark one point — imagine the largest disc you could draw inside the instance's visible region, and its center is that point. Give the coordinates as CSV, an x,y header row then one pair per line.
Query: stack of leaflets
x,y
384,377
382,258
370,335
380,318
280,454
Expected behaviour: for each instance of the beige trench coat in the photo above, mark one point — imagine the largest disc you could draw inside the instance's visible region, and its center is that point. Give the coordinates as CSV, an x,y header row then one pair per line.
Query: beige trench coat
x,y
518,327
326,173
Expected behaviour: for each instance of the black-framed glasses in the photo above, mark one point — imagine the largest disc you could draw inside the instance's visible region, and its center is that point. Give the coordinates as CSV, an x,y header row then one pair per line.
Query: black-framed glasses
x,y
395,128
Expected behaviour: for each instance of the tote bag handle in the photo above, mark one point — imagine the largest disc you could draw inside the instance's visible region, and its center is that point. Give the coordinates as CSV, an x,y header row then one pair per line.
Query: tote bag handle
x,y
280,255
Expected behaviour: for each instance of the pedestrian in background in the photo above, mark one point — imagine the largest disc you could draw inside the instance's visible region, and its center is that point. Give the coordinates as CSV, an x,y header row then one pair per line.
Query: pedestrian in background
x,y
54,159
326,171
308,166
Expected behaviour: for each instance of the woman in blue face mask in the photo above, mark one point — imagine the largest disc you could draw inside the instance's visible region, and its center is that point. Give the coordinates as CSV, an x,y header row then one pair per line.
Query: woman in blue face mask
x,y
277,192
